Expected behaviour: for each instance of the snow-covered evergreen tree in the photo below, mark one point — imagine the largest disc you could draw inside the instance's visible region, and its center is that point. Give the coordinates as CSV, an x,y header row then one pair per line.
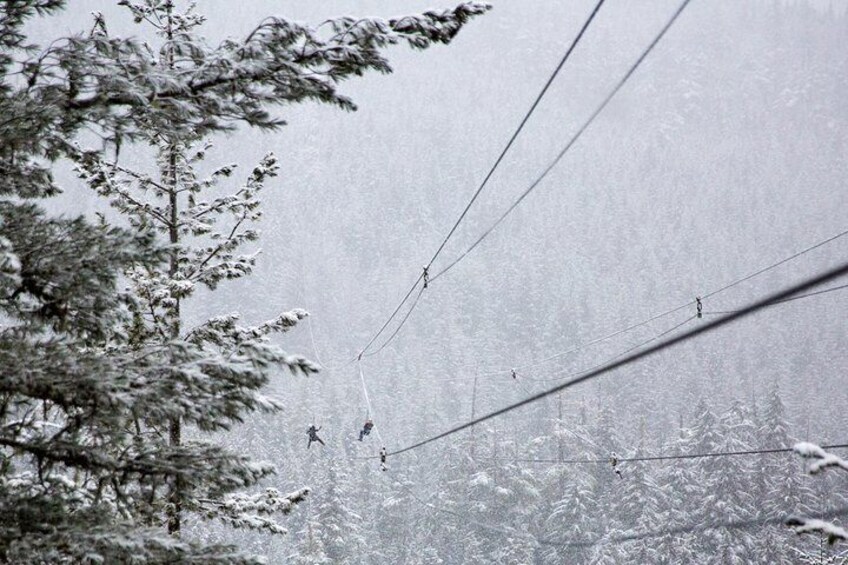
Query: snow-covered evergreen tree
x,y
731,497
218,364
571,519
336,524
311,549
568,497
642,506
781,486
97,383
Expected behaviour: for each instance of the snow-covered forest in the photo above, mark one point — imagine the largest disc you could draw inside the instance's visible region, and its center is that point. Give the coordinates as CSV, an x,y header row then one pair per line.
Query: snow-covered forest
x,y
209,212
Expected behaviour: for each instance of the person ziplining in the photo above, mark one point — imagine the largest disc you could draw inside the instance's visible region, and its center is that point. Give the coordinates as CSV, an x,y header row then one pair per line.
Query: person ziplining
x,y
312,432
614,463
366,429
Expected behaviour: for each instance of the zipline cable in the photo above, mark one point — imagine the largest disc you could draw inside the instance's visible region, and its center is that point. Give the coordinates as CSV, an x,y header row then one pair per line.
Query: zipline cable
x,y
624,79
691,303
400,325
490,173
517,131
803,286
807,295
571,143
779,263
644,535
693,528
649,458
641,344
737,524
621,354
390,318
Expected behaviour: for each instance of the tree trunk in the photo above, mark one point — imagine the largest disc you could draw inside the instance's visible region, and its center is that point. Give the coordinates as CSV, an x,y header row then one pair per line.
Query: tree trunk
x,y
175,431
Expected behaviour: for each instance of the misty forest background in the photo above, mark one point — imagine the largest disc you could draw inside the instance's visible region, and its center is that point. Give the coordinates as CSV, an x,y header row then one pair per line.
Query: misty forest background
x,y
727,151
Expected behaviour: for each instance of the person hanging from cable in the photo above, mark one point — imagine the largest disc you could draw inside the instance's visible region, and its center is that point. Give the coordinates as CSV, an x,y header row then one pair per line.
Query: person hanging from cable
x,y
514,374
312,432
614,463
366,429
383,455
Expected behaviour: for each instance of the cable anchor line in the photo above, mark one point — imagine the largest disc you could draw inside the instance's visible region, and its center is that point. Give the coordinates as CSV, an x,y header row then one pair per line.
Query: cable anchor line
x,y
699,308
491,172
715,292
786,292
570,143
515,134
655,458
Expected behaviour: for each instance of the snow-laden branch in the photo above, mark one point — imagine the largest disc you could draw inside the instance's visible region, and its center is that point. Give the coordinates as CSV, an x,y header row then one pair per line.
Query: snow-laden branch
x,y
253,511
832,532
203,87
225,332
822,459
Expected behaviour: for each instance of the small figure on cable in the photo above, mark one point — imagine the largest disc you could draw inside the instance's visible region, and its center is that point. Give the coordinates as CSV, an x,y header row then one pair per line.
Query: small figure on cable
x,y
614,463
514,374
312,432
366,429
383,455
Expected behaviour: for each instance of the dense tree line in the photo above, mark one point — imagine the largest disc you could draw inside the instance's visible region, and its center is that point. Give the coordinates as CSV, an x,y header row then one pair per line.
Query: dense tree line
x,y
479,499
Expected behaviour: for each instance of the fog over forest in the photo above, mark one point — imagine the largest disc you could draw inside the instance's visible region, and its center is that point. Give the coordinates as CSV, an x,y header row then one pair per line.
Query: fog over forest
x,y
724,153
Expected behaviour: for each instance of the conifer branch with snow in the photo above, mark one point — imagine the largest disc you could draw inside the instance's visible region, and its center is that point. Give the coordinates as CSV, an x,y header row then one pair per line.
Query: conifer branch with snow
x,y
820,460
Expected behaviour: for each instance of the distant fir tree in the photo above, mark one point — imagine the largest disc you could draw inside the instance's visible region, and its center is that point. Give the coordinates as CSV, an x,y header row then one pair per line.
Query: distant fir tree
x,y
94,384
571,519
336,525
569,496
501,502
452,494
310,549
607,484
781,485
642,506
733,496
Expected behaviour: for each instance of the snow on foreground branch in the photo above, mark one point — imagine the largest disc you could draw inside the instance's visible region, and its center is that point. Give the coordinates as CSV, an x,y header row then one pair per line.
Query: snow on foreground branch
x,y
821,460
814,526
